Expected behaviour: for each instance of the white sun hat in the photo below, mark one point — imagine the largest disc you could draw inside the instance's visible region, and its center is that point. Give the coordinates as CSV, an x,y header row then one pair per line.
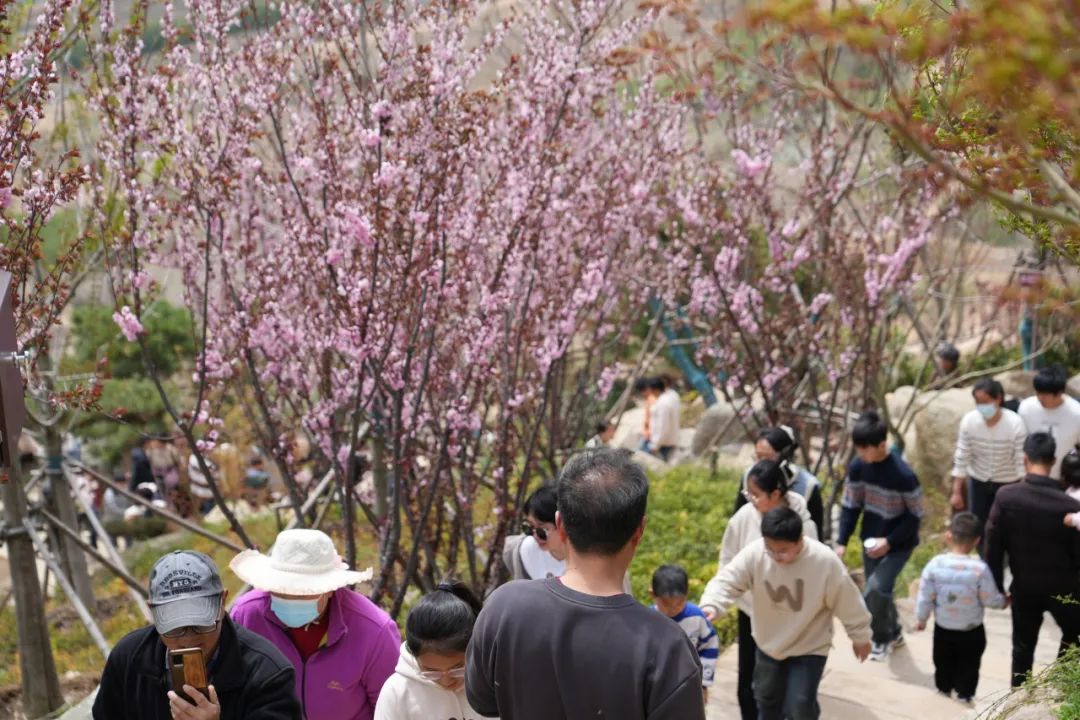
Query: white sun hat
x,y
302,562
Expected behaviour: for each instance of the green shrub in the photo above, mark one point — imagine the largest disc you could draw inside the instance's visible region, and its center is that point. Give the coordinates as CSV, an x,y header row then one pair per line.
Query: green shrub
x,y
688,512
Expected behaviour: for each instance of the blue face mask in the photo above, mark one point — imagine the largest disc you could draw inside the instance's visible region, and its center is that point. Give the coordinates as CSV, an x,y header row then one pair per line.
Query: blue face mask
x,y
987,410
295,613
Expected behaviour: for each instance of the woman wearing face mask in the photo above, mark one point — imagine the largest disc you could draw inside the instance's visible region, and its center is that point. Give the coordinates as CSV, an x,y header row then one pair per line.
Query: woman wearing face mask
x,y
779,444
429,681
989,450
766,489
538,552
342,646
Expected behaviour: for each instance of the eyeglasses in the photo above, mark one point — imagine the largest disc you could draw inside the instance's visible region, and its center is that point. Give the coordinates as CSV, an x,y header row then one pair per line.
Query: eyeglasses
x,y
750,498
540,532
783,554
194,629
436,675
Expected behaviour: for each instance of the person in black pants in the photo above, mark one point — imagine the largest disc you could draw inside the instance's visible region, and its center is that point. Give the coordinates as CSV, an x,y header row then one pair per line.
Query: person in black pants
x,y
1044,554
955,587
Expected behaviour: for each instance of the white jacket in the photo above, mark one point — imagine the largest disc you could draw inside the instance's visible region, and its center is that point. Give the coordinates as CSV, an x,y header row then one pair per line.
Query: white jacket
x,y
743,529
408,696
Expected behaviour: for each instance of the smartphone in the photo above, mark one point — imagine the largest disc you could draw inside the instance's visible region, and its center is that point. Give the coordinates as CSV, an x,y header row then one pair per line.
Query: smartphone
x,y
188,668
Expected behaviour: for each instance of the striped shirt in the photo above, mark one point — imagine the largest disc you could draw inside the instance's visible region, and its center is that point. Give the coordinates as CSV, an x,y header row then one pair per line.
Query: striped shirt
x,y
888,496
702,634
994,454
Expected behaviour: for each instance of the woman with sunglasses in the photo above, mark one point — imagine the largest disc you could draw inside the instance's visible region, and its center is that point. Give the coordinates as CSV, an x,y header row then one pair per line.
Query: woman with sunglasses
x,y
429,681
766,488
538,552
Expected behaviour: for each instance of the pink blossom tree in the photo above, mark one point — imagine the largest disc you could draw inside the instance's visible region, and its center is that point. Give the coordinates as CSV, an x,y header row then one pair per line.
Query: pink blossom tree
x,y
800,236
400,233
37,182
406,234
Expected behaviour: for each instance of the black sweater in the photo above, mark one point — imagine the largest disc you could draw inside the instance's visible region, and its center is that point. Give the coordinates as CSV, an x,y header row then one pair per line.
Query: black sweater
x,y
1027,523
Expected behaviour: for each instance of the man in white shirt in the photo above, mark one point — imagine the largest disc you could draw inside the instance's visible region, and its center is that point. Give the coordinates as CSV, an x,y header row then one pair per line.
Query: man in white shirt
x,y
1052,411
989,450
664,419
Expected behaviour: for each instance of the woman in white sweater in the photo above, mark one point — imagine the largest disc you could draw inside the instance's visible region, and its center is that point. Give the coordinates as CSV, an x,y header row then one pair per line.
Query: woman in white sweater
x,y
429,681
766,488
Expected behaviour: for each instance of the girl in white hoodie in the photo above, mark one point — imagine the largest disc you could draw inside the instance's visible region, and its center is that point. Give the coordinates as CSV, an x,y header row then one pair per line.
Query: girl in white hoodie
x,y
766,488
429,680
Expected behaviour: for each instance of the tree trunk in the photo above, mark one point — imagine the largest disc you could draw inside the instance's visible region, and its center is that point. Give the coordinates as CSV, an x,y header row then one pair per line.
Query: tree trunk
x,y
378,473
73,561
40,683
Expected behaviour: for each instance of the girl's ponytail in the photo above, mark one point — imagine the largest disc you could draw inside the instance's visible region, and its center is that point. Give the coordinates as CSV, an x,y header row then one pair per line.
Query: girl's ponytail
x,y
782,439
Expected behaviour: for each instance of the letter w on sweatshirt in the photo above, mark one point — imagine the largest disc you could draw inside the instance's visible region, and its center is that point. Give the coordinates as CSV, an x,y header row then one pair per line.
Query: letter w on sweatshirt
x,y
782,593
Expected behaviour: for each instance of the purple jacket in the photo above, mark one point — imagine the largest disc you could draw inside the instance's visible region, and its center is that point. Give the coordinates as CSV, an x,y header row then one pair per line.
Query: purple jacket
x,y
342,680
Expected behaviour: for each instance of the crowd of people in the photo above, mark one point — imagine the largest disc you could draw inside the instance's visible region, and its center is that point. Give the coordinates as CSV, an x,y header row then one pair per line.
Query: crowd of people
x,y
566,638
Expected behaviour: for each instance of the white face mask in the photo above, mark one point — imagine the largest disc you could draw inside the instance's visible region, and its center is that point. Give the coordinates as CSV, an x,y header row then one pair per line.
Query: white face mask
x,y
295,613
987,410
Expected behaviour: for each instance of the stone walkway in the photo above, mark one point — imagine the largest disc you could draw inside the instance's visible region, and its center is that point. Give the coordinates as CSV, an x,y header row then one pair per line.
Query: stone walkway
x,y
903,687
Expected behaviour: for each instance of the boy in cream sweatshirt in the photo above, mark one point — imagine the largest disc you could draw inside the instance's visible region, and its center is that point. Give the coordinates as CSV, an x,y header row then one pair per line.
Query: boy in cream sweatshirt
x,y
796,587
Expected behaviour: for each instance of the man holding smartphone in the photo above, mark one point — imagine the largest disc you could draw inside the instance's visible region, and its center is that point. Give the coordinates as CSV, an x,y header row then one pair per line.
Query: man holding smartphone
x,y
194,639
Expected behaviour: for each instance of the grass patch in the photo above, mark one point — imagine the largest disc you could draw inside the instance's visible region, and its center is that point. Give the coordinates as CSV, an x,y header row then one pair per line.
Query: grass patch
x,y
1056,690
1063,677
689,510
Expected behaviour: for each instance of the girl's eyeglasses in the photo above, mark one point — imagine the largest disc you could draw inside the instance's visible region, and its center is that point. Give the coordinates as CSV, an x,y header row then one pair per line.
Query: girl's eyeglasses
x,y
750,498
539,532
436,675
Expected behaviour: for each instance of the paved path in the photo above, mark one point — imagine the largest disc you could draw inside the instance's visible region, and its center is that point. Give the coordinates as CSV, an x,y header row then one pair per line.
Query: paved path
x,y
903,687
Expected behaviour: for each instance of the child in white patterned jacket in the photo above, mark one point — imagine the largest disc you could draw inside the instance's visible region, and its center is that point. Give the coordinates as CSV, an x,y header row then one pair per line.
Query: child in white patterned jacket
x,y
957,586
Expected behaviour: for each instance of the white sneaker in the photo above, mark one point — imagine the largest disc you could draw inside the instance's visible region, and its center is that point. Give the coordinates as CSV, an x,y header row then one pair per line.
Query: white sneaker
x,y
897,642
879,652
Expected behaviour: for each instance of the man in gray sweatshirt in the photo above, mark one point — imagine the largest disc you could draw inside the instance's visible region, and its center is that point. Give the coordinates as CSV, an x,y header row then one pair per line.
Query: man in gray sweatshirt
x,y
577,646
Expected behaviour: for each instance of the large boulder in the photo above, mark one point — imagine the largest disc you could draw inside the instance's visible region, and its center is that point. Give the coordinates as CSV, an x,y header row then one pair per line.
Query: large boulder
x,y
897,403
1017,383
719,425
1073,388
931,437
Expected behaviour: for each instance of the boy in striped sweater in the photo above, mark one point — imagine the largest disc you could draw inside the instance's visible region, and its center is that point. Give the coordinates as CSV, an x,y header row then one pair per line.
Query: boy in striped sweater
x,y
670,586
885,491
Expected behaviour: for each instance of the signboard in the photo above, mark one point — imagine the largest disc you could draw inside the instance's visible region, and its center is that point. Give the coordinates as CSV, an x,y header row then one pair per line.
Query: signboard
x,y
12,407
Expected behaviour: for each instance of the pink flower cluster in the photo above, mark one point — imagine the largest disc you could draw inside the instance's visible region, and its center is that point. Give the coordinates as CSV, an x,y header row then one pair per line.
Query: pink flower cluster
x,y
129,324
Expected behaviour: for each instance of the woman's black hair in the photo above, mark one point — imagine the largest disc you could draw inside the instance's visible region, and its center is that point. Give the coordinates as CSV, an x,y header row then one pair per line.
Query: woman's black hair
x,y
1070,468
782,440
542,503
769,475
993,389
443,620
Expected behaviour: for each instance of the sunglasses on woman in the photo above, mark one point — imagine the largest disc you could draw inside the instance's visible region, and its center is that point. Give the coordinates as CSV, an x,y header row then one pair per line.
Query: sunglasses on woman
x,y
539,532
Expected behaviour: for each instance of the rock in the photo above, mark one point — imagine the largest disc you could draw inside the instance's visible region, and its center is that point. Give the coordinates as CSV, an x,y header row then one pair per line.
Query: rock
x,y
897,403
719,425
628,431
1017,383
931,440
651,463
1073,387
81,711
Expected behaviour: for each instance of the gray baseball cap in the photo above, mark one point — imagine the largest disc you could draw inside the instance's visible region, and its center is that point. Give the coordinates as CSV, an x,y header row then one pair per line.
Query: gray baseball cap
x,y
185,589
